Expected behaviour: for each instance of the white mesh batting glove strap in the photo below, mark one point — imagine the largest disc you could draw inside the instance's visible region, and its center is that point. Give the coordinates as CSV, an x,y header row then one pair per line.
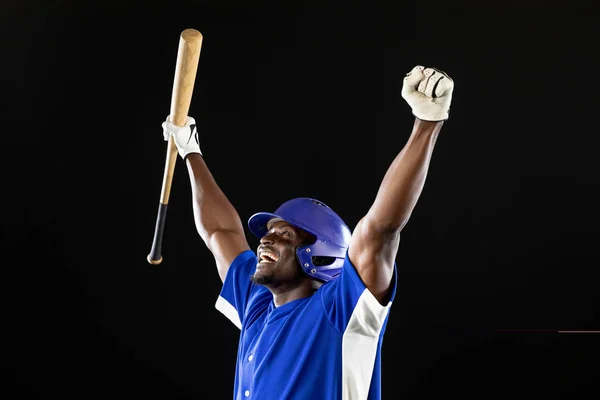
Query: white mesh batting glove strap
x,y
428,91
185,137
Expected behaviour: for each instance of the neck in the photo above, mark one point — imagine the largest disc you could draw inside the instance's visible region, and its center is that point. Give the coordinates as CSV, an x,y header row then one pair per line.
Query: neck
x,y
280,297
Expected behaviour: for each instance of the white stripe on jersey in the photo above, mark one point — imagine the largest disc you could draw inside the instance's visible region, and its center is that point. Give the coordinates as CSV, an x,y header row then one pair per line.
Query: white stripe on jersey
x,y
229,311
359,346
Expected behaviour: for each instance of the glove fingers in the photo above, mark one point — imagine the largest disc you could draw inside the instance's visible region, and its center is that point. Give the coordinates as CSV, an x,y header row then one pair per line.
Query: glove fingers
x,y
435,83
412,79
189,121
166,132
444,86
430,77
170,128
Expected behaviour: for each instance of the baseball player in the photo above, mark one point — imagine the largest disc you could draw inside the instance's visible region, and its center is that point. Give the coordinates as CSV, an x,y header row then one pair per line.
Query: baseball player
x,y
312,301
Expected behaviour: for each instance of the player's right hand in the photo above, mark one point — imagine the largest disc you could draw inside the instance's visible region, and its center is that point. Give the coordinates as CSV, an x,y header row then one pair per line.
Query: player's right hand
x,y
428,91
185,137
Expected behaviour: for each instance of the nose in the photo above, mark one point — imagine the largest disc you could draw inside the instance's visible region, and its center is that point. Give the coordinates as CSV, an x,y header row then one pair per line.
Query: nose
x,y
267,239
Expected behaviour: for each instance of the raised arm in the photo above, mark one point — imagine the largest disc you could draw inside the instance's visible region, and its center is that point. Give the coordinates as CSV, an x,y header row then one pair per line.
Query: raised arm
x,y
217,221
375,240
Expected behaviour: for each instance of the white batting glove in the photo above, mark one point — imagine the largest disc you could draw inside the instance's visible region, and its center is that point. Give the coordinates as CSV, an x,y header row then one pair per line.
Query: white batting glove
x,y
185,137
428,91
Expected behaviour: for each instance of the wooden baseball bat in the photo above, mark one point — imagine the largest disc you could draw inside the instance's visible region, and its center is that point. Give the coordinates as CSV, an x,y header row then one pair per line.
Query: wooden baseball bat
x,y
188,56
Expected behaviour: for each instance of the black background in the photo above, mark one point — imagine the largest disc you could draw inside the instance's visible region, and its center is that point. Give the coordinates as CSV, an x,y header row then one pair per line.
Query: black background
x,y
298,99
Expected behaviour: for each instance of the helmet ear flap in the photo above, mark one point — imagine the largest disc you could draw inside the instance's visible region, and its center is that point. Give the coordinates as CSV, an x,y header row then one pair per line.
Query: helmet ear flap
x,y
306,255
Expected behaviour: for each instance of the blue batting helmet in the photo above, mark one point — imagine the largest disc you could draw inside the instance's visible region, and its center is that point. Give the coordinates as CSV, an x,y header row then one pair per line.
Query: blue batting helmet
x,y
315,217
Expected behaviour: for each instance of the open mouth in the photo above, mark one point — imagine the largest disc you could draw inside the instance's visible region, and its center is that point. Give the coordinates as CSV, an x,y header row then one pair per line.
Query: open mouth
x,y
266,257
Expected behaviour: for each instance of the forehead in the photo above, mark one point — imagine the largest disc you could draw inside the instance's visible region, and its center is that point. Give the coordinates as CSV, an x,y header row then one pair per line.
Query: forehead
x,y
280,224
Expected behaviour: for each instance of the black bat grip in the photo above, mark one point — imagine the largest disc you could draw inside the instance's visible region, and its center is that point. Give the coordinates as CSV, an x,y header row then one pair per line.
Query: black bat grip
x,y
155,256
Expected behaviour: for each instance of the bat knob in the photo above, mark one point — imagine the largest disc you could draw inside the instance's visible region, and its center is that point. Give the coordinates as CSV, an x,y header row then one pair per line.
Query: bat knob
x,y
152,261
155,255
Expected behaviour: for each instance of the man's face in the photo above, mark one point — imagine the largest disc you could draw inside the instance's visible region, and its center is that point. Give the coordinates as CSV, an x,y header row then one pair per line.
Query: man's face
x,y
277,264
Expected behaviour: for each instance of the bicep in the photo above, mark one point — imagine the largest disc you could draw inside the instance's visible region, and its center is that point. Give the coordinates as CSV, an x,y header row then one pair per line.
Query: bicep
x,y
373,252
225,247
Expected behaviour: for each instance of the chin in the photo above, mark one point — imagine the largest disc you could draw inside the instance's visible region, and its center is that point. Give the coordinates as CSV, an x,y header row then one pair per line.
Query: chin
x,y
261,278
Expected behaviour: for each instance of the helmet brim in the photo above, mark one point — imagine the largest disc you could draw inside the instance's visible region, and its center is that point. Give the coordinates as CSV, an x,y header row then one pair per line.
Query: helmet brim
x,y
258,223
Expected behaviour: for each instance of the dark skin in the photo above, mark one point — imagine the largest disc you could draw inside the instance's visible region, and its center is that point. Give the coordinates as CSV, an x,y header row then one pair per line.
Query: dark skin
x,y
284,277
375,239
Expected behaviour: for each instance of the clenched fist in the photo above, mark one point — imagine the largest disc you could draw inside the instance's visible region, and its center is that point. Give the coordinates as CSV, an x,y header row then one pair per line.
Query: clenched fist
x,y
428,91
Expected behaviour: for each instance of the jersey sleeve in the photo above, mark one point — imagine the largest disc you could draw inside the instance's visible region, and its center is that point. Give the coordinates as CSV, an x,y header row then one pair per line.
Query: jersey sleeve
x,y
238,294
350,305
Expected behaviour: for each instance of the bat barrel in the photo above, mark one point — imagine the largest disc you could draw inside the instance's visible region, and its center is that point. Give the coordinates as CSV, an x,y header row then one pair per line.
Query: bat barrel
x,y
188,55
193,36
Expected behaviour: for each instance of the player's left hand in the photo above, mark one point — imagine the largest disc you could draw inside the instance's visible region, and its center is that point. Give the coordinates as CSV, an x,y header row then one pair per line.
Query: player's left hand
x,y
428,91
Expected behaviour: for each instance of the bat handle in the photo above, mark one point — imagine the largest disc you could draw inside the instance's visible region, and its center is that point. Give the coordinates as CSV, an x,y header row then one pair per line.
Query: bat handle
x,y
155,256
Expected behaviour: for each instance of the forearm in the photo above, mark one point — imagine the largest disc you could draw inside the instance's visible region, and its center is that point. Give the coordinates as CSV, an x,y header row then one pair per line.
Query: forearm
x,y
405,178
212,210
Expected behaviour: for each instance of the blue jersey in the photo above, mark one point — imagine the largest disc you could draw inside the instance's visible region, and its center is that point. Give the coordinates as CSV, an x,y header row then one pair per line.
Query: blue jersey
x,y
323,347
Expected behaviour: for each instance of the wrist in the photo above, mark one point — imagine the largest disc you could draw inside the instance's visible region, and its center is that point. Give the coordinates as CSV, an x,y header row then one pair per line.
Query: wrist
x,y
185,153
426,124
193,155
424,127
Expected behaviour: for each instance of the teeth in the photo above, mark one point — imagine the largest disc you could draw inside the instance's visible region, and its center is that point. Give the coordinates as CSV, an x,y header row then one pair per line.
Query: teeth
x,y
267,256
